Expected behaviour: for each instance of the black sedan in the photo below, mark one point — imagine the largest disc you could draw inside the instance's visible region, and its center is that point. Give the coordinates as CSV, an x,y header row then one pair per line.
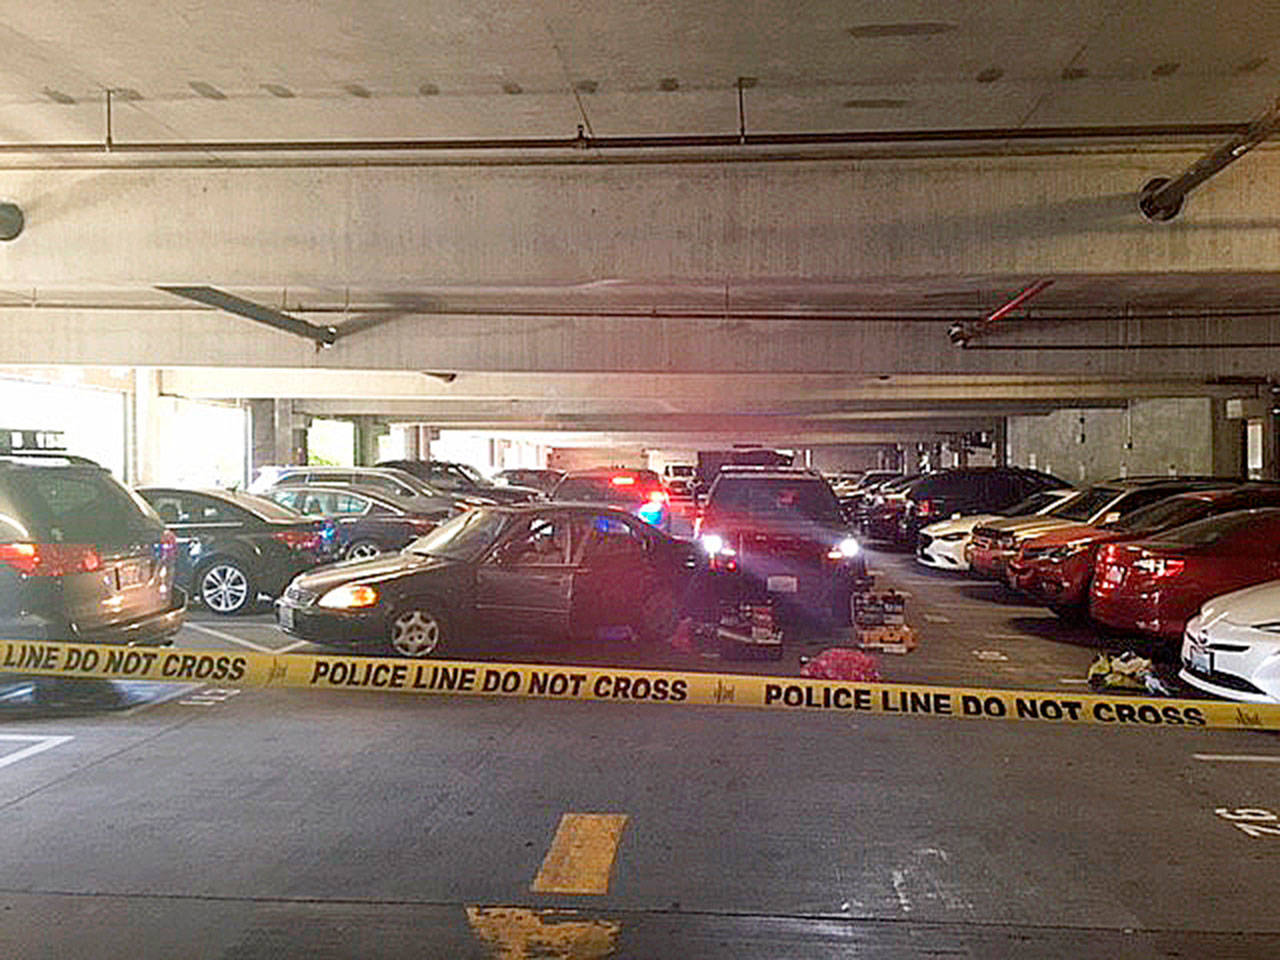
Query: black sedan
x,y
526,569
368,521
233,546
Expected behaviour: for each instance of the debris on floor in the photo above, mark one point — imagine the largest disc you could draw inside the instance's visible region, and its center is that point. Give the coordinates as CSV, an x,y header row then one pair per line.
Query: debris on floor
x,y
841,663
1128,671
879,623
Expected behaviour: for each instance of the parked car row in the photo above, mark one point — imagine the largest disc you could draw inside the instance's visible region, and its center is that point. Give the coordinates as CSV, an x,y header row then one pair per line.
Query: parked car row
x,y
1191,562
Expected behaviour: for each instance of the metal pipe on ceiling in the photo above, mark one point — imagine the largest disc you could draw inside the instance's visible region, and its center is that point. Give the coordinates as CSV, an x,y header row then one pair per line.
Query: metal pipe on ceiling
x,y
657,142
1161,198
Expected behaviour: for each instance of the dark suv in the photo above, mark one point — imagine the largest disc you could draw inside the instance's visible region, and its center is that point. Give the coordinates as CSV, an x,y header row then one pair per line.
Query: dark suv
x,y
937,496
81,557
778,533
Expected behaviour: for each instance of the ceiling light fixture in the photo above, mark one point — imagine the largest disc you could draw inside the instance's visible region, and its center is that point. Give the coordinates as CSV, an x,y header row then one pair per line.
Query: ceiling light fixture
x,y
207,90
57,96
919,28
278,90
990,75
875,104
356,90
1167,69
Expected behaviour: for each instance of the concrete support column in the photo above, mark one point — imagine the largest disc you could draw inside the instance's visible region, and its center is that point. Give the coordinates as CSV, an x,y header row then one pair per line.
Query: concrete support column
x,y
1228,443
143,426
277,436
368,431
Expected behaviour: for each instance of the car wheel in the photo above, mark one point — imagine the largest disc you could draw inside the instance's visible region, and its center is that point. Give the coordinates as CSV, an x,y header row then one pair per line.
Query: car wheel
x,y
363,550
418,629
226,587
659,617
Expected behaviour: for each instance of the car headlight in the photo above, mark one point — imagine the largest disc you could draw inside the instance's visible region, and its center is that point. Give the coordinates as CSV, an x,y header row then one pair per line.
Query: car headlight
x,y
849,547
349,596
713,543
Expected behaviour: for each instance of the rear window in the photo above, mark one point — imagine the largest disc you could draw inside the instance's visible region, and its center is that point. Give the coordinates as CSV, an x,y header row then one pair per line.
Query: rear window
x,y
801,499
78,506
267,509
618,488
1212,529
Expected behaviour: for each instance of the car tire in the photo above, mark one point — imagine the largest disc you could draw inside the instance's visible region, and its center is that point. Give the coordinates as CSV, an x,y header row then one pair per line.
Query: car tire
x,y
363,550
418,629
659,617
226,587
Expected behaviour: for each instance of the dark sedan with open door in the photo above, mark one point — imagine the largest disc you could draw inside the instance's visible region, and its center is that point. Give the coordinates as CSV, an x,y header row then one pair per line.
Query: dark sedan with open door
x,y
555,570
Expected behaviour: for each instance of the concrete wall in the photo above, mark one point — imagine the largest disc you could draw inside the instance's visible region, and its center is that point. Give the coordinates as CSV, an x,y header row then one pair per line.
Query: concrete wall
x,y
1183,436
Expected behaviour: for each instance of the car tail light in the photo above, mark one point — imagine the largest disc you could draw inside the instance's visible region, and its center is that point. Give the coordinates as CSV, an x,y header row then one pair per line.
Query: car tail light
x,y
299,539
50,559
1160,567
925,508
168,545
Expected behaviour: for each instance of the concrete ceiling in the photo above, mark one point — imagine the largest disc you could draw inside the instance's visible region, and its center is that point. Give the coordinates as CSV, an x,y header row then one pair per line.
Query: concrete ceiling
x,y
329,72
199,70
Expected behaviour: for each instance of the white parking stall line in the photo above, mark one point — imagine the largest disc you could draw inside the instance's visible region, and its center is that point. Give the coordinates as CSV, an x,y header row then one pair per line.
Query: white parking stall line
x,y
39,744
229,638
937,618
292,646
15,694
1238,757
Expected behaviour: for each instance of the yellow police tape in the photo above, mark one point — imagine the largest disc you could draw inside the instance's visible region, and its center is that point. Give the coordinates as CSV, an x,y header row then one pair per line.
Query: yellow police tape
x,y
618,685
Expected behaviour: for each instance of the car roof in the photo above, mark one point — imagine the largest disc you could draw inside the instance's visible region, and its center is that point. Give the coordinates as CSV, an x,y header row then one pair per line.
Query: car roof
x,y
369,493
45,459
612,472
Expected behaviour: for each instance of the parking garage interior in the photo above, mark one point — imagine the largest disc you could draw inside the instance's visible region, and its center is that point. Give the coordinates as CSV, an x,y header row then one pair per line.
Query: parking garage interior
x,y
896,236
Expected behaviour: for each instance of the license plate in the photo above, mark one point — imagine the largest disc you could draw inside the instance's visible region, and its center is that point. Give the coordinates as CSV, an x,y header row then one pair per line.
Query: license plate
x,y
286,616
781,584
131,574
1201,660
1115,575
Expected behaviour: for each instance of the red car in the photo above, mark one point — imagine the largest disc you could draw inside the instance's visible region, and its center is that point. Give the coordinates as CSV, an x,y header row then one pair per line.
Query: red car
x,y
1155,586
1056,568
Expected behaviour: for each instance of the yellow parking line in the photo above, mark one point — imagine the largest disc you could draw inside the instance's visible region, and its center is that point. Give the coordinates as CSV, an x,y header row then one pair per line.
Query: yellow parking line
x,y
582,854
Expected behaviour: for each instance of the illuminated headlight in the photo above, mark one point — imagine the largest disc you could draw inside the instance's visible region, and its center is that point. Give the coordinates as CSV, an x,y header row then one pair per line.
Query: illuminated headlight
x,y
351,596
713,543
849,547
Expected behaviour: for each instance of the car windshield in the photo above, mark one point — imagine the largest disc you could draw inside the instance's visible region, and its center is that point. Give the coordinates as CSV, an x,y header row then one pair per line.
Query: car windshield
x,y
1086,505
464,537
472,474
1163,514
784,497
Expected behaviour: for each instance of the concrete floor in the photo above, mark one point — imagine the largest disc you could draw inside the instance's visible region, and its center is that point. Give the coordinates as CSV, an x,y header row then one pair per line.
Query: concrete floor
x,y
257,823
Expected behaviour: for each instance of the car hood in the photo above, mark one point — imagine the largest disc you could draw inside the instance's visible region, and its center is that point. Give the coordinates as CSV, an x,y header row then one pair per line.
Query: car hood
x,y
1252,605
959,524
384,567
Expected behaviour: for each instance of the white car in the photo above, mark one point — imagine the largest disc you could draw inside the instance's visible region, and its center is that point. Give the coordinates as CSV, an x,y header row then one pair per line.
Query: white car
x,y
1231,648
941,545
